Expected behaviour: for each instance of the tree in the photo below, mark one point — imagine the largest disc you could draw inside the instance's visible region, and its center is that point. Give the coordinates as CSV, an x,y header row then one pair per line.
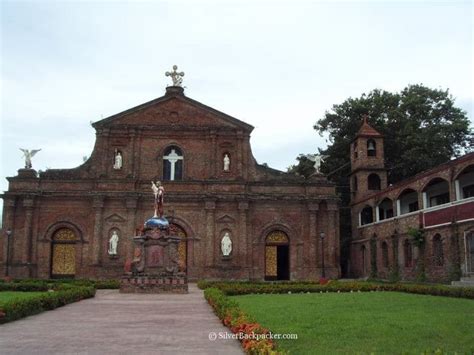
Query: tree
x,y
304,167
422,128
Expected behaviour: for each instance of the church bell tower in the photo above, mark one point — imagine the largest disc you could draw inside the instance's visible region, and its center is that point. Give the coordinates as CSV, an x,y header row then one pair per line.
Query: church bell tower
x,y
368,173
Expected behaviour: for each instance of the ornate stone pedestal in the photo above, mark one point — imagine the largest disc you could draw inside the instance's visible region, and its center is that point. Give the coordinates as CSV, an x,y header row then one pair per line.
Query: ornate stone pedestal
x,y
155,264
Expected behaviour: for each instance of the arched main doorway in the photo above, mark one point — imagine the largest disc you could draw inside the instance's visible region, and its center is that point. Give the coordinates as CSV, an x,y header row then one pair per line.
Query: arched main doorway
x,y
63,254
182,247
277,256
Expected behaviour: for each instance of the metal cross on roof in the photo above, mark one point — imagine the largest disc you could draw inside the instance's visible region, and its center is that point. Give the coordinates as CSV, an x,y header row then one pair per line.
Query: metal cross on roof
x,y
177,77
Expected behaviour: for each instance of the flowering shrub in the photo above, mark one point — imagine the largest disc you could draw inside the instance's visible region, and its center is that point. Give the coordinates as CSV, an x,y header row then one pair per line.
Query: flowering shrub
x,y
240,323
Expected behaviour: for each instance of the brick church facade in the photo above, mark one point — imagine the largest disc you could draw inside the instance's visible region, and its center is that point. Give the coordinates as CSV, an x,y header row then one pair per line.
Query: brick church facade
x,y
421,228
61,220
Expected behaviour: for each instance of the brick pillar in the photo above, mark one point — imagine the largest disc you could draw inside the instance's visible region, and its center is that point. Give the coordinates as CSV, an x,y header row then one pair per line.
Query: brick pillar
x,y
333,231
28,204
313,246
130,232
96,245
239,152
210,207
213,165
8,223
244,246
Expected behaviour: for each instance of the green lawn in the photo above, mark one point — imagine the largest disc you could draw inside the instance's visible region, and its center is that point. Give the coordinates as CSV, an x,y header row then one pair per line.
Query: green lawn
x,y
9,295
380,322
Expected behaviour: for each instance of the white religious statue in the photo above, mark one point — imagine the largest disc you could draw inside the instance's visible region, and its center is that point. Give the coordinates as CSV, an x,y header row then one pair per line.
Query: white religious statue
x,y
118,160
177,77
317,160
159,193
226,244
226,162
113,242
28,154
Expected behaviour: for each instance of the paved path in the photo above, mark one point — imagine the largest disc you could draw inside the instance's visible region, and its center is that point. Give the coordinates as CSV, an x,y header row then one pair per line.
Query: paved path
x,y
114,323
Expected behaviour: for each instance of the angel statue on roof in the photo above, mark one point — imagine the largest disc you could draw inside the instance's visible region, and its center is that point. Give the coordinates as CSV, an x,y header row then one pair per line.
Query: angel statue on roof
x,y
28,154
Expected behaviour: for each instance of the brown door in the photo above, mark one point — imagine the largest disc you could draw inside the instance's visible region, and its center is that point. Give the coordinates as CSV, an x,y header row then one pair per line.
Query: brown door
x,y
63,254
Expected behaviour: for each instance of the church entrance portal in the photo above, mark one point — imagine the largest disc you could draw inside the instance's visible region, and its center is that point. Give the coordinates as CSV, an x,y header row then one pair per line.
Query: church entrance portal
x,y
63,254
182,247
277,256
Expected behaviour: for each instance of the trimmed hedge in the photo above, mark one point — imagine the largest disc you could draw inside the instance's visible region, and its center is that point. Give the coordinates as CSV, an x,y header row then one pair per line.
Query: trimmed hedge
x,y
253,336
65,294
51,284
242,288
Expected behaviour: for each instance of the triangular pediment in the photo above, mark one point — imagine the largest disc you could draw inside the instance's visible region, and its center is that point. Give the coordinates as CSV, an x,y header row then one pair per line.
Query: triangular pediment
x,y
115,218
174,110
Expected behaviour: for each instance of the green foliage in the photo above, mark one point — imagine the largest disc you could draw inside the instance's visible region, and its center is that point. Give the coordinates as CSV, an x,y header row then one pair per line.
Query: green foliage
x,y
373,258
422,128
304,167
244,288
21,307
43,285
417,235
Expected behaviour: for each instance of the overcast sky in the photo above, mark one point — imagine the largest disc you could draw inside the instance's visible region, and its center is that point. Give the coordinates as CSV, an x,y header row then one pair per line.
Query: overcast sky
x,y
275,65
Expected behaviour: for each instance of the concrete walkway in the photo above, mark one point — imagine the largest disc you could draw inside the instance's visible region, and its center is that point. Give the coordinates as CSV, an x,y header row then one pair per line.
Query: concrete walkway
x,y
114,323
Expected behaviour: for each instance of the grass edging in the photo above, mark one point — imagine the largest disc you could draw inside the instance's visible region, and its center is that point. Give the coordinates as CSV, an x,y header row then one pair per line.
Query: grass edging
x,y
252,336
19,308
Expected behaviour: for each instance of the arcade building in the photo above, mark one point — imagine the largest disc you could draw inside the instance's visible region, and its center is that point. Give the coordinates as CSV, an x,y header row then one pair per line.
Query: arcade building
x,y
62,222
419,229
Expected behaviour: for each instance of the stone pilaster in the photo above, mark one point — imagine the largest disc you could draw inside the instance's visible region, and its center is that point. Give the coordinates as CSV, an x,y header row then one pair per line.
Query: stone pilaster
x,y
244,247
213,166
96,245
9,205
209,250
131,224
239,153
313,243
28,204
333,235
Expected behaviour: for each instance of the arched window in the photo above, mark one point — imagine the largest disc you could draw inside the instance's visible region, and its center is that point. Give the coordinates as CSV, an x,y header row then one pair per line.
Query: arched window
x,y
465,183
366,215
173,164
436,193
354,183
385,254
385,209
356,153
408,201
371,148
438,254
373,182
408,253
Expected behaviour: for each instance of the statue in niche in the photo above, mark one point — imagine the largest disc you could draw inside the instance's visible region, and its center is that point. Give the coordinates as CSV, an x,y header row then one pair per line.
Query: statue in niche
x,y
113,243
159,192
226,244
226,162
28,154
118,160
